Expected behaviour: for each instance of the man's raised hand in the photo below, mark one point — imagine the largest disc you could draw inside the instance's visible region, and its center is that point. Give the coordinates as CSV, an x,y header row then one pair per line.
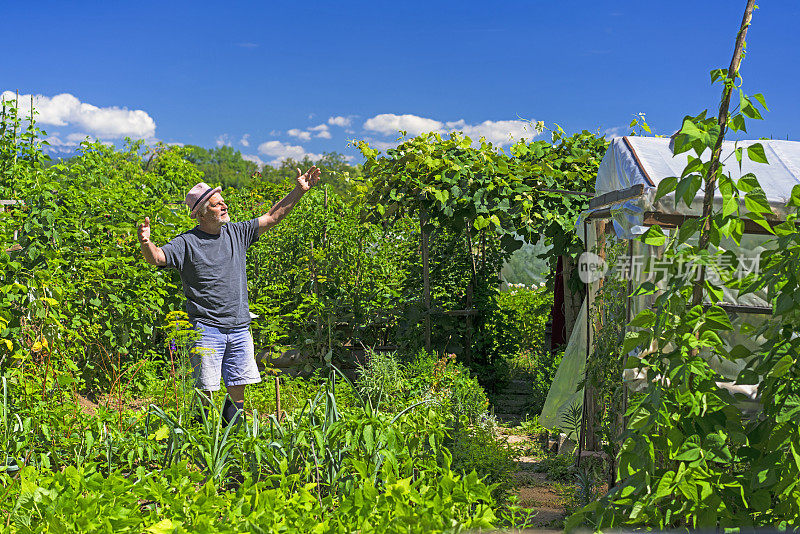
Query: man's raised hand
x,y
308,179
144,231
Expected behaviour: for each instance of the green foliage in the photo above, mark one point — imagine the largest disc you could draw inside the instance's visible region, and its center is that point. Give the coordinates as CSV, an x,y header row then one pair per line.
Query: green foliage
x,y
477,449
559,467
178,500
604,367
449,384
519,323
380,376
690,458
470,189
517,330
566,163
222,165
322,468
76,282
478,199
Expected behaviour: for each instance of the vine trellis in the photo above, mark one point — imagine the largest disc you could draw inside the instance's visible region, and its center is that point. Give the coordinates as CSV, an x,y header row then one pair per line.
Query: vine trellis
x,y
495,200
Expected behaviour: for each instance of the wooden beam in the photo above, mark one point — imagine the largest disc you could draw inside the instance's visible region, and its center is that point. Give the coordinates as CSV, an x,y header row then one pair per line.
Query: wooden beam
x,y
378,348
457,313
671,220
739,308
617,196
567,192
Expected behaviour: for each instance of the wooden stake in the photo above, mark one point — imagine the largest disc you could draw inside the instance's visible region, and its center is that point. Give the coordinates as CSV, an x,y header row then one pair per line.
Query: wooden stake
x,y
470,290
278,412
722,120
471,257
426,285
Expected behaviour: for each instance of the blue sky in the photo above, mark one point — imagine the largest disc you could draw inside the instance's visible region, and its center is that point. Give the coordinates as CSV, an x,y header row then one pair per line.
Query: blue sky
x,y
284,79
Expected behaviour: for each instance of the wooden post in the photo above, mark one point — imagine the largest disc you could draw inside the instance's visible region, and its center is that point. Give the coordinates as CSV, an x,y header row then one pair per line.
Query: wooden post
x,y
471,257
325,223
591,410
621,419
318,335
426,285
278,412
572,300
470,290
468,345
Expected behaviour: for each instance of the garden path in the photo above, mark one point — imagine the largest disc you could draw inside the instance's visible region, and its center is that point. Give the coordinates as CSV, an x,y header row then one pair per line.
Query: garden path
x,y
534,490
512,402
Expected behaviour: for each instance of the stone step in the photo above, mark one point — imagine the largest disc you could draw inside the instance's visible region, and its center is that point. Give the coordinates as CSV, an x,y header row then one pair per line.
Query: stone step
x,y
511,401
519,386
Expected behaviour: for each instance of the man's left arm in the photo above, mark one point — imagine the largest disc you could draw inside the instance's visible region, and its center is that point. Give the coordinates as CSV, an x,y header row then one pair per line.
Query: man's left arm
x,y
305,181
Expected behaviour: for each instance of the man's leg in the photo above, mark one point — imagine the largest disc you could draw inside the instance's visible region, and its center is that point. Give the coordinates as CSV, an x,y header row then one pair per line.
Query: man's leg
x,y
206,361
238,369
233,403
236,393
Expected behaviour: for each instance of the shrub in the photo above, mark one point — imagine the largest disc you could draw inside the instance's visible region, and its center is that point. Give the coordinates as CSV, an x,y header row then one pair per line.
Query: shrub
x,y
449,383
477,449
519,323
380,376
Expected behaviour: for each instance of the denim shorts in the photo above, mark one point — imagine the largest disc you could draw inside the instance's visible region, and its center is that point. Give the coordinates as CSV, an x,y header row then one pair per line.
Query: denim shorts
x,y
225,352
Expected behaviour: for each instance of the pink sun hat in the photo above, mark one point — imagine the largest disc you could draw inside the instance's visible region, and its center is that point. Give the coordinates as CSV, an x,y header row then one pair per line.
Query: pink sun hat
x,y
197,196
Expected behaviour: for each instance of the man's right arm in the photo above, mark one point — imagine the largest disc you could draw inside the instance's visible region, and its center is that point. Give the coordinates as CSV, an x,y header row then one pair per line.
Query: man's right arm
x,y
152,254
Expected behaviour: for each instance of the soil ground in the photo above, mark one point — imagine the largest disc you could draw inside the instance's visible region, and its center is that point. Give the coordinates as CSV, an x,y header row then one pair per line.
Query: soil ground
x,y
534,491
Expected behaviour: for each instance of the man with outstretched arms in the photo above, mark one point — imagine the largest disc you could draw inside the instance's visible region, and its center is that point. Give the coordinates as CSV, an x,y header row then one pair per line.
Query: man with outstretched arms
x,y
211,261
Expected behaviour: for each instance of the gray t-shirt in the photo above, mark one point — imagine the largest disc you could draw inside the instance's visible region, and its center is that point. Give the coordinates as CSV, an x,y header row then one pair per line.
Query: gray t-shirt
x,y
213,271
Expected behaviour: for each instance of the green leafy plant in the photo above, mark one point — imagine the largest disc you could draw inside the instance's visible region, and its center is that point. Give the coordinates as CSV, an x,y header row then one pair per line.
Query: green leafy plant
x,y
690,458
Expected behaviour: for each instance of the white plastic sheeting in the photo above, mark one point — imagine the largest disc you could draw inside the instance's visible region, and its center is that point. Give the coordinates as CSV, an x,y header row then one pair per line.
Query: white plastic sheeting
x,y
648,160
564,391
630,161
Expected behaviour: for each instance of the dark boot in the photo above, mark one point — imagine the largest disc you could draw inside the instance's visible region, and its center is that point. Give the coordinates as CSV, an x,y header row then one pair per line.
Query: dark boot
x,y
198,417
230,410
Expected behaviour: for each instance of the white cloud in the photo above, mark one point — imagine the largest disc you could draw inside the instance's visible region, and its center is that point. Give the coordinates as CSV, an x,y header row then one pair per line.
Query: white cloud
x,y
281,151
340,121
245,140
66,110
497,132
223,140
300,134
56,144
322,131
389,123
255,159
